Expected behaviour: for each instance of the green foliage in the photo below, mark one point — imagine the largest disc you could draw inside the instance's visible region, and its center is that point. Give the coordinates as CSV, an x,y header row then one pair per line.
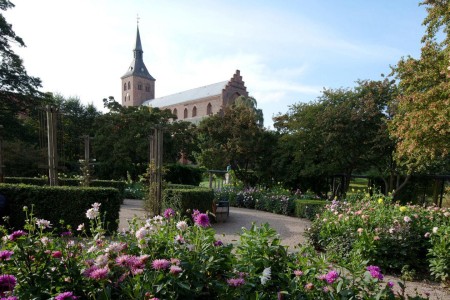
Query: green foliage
x,y
56,203
308,209
183,174
380,232
188,199
438,254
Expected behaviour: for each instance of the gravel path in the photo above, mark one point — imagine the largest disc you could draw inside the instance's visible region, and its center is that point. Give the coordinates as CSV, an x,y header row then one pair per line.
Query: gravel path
x,y
290,230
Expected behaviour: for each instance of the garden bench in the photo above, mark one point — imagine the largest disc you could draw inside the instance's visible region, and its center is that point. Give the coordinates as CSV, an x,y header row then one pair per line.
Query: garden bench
x,y
222,209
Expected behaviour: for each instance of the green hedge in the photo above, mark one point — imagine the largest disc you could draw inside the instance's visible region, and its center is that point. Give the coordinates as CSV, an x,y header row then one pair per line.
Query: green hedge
x,y
120,185
60,203
183,199
183,174
308,208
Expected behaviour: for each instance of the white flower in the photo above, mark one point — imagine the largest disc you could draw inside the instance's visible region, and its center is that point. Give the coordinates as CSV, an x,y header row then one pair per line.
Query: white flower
x,y
141,233
435,229
407,219
92,249
96,206
91,213
80,227
45,240
101,260
182,225
265,276
41,223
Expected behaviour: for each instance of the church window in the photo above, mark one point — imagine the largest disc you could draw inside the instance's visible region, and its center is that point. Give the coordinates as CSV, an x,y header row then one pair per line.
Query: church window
x,y
124,86
139,86
175,112
125,99
147,88
194,111
209,109
185,113
129,85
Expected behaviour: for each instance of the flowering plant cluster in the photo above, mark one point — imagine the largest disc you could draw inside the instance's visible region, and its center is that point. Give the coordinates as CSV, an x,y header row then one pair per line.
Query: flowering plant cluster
x,y
387,234
170,257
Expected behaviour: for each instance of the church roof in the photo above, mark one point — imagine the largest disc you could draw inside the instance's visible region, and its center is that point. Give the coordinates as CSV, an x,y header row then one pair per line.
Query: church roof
x,y
137,66
193,94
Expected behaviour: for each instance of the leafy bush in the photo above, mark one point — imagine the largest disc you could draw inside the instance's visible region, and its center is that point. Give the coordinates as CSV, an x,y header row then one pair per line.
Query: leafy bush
x,y
387,234
183,174
172,258
308,208
56,203
187,199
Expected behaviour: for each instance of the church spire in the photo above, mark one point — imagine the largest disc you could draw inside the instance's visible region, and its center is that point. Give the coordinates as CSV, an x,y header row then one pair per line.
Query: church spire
x,y
138,48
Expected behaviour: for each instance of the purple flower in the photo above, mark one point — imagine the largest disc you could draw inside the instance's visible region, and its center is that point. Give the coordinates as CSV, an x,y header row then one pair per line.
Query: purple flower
x,y
218,243
16,234
375,272
202,220
160,264
10,298
7,282
66,295
235,282
99,273
5,254
195,213
168,213
390,284
66,233
331,276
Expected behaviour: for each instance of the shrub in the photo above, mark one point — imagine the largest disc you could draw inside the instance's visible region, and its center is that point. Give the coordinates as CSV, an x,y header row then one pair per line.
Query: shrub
x,y
184,199
308,208
56,203
183,174
390,235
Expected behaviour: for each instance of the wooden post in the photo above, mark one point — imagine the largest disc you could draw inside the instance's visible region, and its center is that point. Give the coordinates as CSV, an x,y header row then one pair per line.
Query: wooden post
x,y
52,149
1,154
156,162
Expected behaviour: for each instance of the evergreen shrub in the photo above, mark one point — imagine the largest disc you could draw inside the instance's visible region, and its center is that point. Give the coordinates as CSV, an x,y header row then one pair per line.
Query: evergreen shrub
x,y
61,202
183,174
187,198
308,208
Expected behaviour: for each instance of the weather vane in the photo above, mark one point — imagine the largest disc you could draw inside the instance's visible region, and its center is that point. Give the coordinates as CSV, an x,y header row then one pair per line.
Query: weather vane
x,y
137,17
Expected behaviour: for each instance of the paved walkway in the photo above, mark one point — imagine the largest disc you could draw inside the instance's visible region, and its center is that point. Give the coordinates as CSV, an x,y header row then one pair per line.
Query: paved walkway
x,y
289,228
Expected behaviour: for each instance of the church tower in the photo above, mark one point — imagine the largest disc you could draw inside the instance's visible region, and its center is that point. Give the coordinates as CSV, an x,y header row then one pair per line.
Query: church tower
x,y
137,83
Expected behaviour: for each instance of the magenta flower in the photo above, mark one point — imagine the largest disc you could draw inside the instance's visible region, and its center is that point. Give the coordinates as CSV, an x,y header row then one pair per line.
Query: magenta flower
x,y
218,243
160,264
66,296
100,273
16,234
56,254
174,269
10,298
331,276
202,220
5,254
235,282
375,272
7,282
168,213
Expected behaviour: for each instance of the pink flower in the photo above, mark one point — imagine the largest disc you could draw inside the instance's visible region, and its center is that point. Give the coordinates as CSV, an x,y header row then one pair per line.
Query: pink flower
x,y
309,286
407,219
175,270
375,272
427,235
298,273
16,234
168,213
56,254
235,282
99,274
160,264
66,296
202,220
7,283
331,276
5,254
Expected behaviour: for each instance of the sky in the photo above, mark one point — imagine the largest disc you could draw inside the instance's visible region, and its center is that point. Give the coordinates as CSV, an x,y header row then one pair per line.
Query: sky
x,y
287,51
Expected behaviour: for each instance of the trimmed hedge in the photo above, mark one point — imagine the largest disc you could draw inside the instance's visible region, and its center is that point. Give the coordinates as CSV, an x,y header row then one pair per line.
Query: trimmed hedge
x,y
183,174
60,203
308,208
120,185
184,199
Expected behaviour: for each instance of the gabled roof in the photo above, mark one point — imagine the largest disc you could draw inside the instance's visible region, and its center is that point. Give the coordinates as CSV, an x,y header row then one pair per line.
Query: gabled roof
x,y
193,94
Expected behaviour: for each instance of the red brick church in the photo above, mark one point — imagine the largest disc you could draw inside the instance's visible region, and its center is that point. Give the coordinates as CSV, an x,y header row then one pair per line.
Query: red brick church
x,y
138,88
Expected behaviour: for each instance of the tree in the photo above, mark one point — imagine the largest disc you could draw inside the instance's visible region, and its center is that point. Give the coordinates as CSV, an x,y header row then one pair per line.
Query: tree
x,y
251,104
231,138
421,124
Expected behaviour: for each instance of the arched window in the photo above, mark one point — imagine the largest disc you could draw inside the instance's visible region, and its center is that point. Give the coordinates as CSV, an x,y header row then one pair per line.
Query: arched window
x,y
185,113
125,99
129,85
175,112
124,86
209,109
194,111
139,86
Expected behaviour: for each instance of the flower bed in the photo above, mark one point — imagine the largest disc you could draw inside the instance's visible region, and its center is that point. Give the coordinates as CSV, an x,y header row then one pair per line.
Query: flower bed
x,y
397,238
168,257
